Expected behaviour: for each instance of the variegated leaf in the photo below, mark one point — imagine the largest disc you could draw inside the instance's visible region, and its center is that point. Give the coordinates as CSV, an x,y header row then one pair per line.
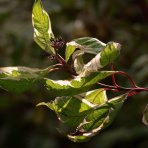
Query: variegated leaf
x,y
42,27
18,79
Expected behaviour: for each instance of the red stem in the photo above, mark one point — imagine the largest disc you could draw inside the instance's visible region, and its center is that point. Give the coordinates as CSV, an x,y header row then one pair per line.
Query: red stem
x,y
113,77
129,77
65,66
123,73
54,69
117,88
132,91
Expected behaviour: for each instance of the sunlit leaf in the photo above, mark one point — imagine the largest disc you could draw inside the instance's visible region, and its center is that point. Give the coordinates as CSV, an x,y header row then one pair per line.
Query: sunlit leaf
x,y
90,45
96,120
73,110
110,53
85,44
42,27
76,85
18,79
100,114
70,48
69,110
105,57
96,97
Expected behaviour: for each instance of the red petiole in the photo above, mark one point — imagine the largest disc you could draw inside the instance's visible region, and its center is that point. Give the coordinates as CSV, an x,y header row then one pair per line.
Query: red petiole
x,y
116,88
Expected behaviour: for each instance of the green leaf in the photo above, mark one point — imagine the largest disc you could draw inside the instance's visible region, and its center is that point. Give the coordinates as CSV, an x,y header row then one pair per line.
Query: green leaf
x,y
110,53
105,57
73,110
145,115
90,45
96,120
18,79
102,114
85,44
42,27
88,112
96,97
69,110
70,48
76,85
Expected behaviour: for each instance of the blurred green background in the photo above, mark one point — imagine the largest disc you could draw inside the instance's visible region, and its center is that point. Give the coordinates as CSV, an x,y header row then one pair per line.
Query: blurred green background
x,y
22,124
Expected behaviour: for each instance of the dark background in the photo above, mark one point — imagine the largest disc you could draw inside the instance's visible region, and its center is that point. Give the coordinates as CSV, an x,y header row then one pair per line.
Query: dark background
x,y
22,124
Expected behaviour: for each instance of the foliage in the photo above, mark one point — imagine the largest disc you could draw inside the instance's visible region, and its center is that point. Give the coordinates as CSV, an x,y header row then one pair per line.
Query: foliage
x,y
77,104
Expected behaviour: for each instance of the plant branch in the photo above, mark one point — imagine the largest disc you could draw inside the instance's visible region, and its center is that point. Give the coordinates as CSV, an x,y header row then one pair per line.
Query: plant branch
x,y
132,91
54,69
129,78
58,43
123,73
116,88
113,76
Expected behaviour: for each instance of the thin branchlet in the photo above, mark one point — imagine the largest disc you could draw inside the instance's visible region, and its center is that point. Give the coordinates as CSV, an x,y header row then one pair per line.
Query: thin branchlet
x,y
116,88
57,44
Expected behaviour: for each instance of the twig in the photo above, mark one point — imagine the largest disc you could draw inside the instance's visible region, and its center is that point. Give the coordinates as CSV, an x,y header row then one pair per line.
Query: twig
x,y
113,76
120,89
129,77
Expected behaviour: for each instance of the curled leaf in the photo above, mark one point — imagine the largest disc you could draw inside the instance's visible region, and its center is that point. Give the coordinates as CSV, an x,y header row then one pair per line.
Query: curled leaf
x,y
105,57
85,44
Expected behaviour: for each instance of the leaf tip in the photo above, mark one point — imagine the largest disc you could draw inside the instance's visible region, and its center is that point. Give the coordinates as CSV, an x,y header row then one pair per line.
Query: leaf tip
x,y
42,103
